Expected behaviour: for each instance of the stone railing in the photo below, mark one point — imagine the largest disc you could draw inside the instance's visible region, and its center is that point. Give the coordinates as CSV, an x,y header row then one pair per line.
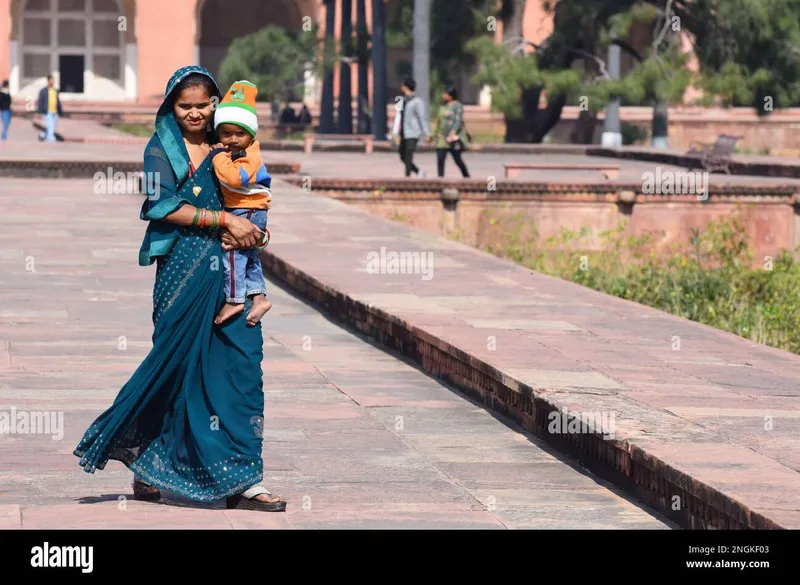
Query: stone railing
x,y
467,210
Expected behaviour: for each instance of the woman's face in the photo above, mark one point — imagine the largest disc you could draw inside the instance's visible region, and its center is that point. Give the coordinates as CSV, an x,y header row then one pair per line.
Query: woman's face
x,y
193,109
445,97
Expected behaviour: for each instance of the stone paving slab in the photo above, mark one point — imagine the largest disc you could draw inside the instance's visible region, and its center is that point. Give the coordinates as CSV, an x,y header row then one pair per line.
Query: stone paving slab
x,y
354,436
595,354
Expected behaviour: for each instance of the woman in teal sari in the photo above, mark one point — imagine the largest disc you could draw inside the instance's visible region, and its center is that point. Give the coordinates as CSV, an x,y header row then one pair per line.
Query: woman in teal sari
x,y
189,420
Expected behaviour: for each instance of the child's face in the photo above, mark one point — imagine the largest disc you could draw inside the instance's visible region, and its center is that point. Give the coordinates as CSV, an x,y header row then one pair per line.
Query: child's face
x,y
234,137
193,109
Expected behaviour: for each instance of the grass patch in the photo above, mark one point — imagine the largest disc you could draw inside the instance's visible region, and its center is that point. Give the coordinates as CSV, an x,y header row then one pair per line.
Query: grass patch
x,y
710,279
140,130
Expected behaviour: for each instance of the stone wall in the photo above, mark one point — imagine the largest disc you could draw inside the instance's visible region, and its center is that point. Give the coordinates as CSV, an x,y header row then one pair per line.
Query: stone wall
x,y
771,214
769,135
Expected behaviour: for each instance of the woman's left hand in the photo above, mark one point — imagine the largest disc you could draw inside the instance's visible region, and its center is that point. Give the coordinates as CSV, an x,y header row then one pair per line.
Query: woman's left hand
x,y
228,241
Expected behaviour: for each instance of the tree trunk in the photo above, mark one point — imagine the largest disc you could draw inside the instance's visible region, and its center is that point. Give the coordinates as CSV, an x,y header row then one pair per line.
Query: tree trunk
x,y
512,13
422,51
584,128
363,57
326,125
379,83
660,130
345,83
556,54
542,121
517,129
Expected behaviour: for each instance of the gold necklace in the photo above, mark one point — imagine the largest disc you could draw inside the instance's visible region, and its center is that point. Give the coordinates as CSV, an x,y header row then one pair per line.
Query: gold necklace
x,y
196,189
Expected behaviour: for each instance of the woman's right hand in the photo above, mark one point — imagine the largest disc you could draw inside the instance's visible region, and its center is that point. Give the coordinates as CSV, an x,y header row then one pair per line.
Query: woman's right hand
x,y
244,232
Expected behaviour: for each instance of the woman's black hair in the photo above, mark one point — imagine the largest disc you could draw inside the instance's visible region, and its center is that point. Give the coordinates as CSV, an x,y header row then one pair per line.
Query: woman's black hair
x,y
194,80
452,92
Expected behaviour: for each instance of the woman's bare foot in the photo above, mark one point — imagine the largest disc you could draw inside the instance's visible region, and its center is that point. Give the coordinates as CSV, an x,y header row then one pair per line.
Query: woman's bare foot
x,y
268,499
256,498
228,311
260,306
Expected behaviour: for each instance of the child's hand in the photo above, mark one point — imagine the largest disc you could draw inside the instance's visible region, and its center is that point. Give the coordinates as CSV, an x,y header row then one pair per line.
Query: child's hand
x,y
217,145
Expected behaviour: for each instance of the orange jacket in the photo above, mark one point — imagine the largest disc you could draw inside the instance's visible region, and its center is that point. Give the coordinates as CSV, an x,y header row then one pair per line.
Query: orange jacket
x,y
244,180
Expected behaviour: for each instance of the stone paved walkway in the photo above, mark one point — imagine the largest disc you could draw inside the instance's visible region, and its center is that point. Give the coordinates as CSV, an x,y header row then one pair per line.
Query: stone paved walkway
x,y
483,165
321,164
25,130
719,408
354,437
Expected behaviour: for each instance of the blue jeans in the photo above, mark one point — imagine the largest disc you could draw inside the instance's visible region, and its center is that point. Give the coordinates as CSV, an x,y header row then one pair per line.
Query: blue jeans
x,y
243,273
50,120
5,116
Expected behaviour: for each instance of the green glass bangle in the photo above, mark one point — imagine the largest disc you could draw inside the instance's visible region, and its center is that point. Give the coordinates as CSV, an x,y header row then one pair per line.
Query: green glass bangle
x,y
196,216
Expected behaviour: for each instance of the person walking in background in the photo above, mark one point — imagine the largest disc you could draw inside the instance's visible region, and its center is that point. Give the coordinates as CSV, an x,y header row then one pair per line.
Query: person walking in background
x,y
50,107
449,132
410,126
5,108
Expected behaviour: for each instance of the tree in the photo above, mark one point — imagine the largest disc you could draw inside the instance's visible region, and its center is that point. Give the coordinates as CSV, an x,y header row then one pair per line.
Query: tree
x,y
519,76
273,58
748,51
452,24
660,76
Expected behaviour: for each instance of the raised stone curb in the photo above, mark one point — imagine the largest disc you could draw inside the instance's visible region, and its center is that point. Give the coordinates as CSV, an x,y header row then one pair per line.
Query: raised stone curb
x,y
413,188
633,468
785,170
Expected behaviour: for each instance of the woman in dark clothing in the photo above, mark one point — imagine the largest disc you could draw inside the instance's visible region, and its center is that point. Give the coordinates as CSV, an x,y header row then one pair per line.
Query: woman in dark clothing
x,y
449,132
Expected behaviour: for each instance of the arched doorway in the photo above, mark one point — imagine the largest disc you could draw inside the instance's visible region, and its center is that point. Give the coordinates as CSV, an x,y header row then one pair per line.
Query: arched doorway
x,y
218,25
87,45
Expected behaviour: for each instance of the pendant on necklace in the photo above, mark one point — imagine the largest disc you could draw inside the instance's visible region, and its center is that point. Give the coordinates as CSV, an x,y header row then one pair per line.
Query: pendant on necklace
x,y
196,190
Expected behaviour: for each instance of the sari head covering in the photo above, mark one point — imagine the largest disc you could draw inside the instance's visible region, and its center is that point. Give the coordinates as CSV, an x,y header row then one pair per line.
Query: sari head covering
x,y
166,167
189,419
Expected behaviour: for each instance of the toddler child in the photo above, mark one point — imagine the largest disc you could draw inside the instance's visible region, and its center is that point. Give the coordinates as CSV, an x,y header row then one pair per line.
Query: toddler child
x,y
246,186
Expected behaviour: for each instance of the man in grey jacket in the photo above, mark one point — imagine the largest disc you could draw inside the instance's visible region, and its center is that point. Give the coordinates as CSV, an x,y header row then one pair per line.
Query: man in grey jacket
x,y
410,126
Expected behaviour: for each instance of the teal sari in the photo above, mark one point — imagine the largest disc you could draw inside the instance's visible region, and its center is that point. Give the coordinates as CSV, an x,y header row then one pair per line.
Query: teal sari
x,y
189,420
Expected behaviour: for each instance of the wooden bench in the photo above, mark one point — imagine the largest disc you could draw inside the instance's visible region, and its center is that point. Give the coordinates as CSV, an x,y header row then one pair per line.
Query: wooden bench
x,y
367,139
712,156
513,170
